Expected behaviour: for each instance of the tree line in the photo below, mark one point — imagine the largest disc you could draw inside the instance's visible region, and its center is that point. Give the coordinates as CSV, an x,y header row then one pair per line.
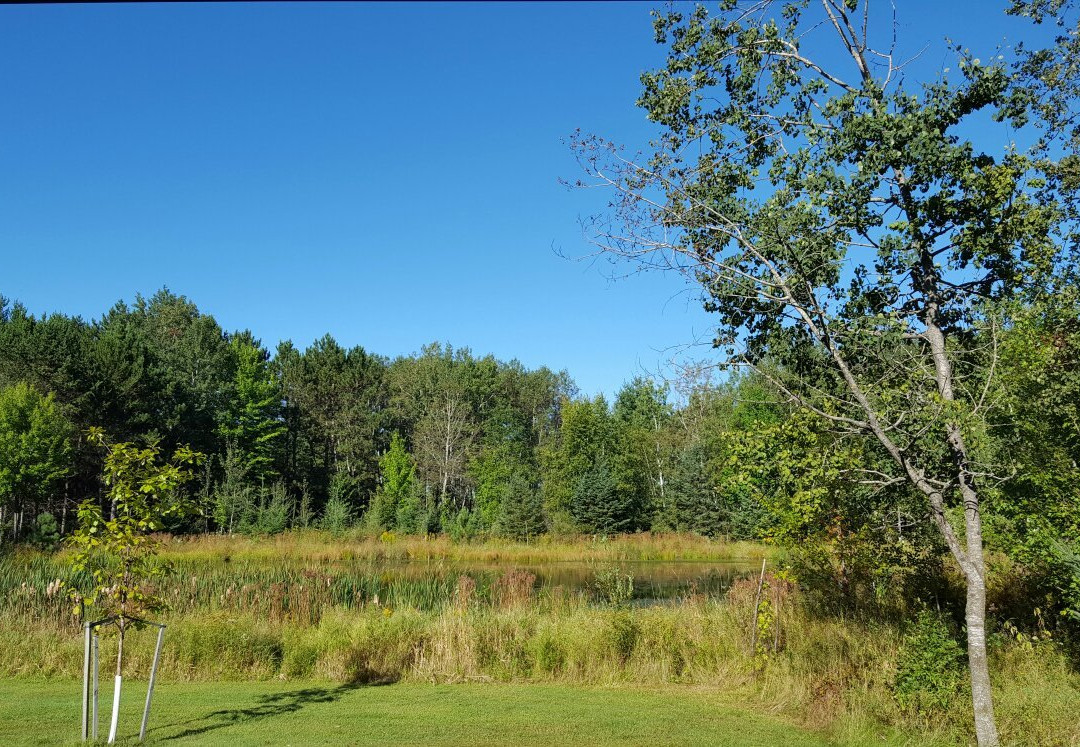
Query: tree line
x,y
438,441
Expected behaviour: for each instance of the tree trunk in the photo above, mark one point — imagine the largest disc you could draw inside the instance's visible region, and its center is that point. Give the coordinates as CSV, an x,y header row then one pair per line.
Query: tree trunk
x,y
969,556
981,697
120,650
971,560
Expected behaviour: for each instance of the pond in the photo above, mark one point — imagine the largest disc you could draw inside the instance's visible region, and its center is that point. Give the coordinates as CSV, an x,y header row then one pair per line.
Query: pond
x,y
301,589
654,582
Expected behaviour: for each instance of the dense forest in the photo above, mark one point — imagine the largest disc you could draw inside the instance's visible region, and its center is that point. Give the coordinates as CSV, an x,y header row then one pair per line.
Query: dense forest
x,y
444,441
440,440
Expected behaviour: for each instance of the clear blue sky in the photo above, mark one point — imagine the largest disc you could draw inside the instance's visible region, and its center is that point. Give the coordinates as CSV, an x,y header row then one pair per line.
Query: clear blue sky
x,y
386,173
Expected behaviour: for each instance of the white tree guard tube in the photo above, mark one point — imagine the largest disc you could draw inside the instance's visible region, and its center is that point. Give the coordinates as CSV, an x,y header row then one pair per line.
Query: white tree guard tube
x,y
115,709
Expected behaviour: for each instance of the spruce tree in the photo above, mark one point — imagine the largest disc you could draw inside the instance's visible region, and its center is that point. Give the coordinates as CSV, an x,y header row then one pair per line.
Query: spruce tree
x,y
598,505
251,417
697,507
521,510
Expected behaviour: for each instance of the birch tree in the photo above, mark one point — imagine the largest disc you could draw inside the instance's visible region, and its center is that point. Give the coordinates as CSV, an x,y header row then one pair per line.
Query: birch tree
x,y
849,236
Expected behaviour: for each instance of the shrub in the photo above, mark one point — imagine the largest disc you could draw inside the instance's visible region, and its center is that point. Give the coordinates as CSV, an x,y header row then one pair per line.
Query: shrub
x,y
273,512
549,650
621,635
930,669
614,586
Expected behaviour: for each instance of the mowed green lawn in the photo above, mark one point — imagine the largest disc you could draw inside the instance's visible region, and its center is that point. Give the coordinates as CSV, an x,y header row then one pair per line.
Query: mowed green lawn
x,y
243,713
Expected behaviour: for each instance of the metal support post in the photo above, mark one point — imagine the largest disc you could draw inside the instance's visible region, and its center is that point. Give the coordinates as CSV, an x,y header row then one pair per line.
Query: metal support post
x,y
150,689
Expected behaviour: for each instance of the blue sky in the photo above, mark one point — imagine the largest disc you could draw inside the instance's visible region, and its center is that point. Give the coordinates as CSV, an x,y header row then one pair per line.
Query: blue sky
x,y
386,173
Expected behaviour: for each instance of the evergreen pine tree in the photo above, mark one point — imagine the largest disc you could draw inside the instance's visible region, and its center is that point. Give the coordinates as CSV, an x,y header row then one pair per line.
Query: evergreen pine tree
x,y
521,510
409,519
697,506
337,516
233,498
251,418
599,506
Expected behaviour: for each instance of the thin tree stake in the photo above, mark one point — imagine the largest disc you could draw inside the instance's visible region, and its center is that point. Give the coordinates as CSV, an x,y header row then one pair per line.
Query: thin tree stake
x,y
94,710
150,688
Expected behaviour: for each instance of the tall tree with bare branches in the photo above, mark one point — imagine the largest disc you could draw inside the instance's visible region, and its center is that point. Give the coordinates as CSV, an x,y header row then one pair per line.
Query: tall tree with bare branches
x,y
849,236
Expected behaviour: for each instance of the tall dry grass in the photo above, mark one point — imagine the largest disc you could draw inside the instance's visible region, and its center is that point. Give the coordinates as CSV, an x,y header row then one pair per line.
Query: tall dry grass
x,y
253,618
310,546
831,673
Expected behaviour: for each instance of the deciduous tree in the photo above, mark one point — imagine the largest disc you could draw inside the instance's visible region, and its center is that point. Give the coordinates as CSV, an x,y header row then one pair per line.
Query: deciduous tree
x,y
847,232
35,451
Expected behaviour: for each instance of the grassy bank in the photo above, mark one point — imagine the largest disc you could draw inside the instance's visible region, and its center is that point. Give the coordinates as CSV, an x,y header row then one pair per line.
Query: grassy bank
x,y
326,713
306,611
827,674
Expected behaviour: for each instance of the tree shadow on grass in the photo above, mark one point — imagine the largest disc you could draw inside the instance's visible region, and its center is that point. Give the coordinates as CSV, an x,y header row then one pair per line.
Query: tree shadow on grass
x,y
266,706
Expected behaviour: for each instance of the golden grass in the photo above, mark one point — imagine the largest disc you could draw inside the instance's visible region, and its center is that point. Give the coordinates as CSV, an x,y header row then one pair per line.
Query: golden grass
x,y
311,546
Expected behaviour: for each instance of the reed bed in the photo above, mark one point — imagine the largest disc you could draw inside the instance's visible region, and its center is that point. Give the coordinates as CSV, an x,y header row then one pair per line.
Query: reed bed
x,y
296,578
312,546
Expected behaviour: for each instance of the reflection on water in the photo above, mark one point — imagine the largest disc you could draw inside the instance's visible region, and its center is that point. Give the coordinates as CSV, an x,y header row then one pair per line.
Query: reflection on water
x,y
654,581
298,588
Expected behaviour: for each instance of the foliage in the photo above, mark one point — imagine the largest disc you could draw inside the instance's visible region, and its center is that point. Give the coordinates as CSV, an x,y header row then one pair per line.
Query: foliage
x,y
521,510
35,447
644,450
398,486
46,532
251,418
930,669
598,506
119,550
585,437
273,510
410,518
1036,516
233,499
337,515
615,585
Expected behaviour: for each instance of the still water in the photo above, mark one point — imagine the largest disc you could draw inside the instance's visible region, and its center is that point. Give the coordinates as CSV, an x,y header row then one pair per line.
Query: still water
x,y
653,581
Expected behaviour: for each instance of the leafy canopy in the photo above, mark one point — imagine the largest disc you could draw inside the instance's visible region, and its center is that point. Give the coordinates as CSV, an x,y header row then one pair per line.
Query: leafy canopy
x,y
120,550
